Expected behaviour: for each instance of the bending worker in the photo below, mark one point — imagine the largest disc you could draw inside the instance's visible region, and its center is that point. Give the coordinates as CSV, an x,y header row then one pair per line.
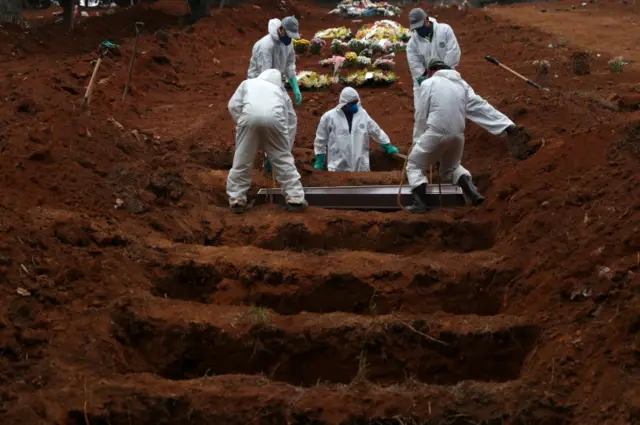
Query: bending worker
x,y
438,134
259,108
344,132
275,50
433,39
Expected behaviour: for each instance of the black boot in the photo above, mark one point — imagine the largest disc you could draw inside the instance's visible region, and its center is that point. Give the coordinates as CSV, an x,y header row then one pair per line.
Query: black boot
x,y
297,207
420,203
469,190
237,208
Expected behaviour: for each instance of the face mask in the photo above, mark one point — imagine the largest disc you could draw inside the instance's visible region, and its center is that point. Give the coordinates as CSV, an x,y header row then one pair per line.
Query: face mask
x,y
424,32
285,39
353,108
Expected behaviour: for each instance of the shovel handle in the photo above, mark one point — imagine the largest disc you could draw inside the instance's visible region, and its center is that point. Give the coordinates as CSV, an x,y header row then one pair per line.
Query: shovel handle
x,y
92,83
495,61
534,85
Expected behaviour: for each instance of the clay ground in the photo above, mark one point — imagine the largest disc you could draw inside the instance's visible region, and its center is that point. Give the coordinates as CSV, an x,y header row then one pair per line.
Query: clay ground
x,y
163,308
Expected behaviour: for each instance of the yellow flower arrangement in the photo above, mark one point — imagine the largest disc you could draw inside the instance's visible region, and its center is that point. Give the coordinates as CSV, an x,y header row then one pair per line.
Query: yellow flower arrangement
x,y
360,78
309,80
384,29
351,56
340,33
301,45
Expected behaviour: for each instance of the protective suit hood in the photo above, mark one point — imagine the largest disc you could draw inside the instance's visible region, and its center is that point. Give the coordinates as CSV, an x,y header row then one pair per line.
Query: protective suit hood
x,y
449,74
274,26
271,75
348,95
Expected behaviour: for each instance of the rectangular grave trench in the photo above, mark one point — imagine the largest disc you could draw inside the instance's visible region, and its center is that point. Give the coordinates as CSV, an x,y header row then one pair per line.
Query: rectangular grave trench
x,y
293,291
338,354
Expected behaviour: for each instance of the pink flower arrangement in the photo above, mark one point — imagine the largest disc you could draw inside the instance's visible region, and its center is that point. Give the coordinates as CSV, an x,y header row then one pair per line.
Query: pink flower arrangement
x,y
384,64
335,61
316,45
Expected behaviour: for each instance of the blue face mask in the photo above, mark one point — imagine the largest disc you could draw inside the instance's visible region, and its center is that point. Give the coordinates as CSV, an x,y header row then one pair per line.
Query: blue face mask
x,y
424,32
285,39
353,108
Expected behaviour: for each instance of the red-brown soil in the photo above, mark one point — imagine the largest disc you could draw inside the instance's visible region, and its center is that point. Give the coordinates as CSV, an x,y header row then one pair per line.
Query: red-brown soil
x,y
132,296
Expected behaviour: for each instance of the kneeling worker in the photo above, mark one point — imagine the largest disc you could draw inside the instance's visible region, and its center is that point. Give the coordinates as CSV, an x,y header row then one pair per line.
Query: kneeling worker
x,y
344,133
438,133
259,107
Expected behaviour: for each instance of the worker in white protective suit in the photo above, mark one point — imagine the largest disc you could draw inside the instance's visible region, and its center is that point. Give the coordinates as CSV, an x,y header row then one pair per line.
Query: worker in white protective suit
x,y
438,134
275,50
431,39
344,134
259,108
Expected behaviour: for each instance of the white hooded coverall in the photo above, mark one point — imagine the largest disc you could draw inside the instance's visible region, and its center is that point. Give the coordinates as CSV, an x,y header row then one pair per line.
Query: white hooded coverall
x,y
269,52
347,150
444,46
438,132
259,108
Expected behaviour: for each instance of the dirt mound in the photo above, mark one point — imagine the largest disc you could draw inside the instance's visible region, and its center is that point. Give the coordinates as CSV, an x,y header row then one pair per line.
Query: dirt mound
x,y
132,294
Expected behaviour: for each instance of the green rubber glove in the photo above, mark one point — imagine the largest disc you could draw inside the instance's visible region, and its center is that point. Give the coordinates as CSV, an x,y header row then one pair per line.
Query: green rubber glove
x,y
267,165
390,149
321,160
421,79
293,82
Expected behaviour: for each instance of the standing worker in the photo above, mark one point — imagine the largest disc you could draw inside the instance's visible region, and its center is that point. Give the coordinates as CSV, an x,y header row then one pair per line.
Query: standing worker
x,y
344,132
275,50
259,108
438,133
431,39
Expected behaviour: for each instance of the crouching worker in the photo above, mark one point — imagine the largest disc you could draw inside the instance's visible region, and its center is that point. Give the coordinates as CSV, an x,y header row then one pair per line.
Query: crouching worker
x,y
438,134
344,133
259,107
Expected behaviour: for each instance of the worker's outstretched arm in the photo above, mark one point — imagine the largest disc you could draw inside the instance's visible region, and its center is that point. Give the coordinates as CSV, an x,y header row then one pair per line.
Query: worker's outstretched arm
x,y
422,110
474,102
452,56
416,61
321,143
380,136
484,114
376,132
236,102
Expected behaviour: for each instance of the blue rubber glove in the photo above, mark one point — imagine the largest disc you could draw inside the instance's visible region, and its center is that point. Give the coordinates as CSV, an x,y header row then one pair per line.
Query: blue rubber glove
x,y
390,149
267,165
293,82
321,160
421,79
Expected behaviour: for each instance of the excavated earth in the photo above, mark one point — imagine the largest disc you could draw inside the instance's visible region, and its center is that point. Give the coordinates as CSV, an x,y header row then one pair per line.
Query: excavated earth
x,y
132,296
